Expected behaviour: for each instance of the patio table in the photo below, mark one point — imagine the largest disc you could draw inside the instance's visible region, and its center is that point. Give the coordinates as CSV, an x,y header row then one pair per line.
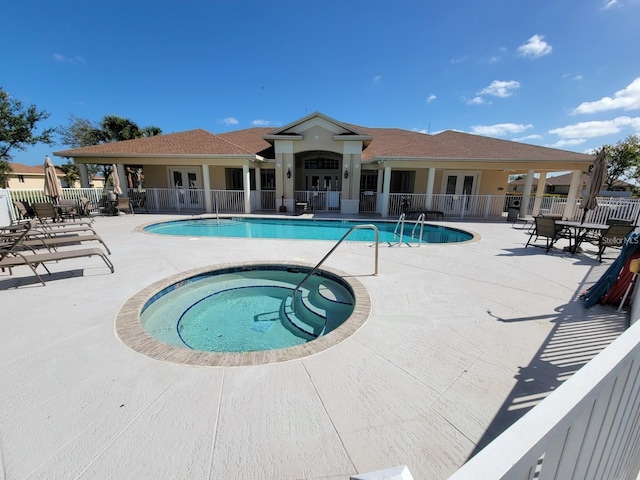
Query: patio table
x,y
579,231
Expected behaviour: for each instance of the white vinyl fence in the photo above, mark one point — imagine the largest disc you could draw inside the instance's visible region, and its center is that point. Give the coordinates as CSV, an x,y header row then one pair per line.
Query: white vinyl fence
x,y
589,428
487,207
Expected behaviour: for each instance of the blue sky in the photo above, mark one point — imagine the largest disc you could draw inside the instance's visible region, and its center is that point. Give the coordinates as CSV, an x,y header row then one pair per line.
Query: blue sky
x,y
564,74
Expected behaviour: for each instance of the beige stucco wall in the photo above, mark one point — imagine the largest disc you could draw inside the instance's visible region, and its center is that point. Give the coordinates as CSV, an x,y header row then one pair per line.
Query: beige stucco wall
x,y
29,183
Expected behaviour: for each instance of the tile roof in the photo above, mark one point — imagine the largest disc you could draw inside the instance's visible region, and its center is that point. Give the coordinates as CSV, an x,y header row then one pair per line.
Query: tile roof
x,y
21,169
387,142
191,142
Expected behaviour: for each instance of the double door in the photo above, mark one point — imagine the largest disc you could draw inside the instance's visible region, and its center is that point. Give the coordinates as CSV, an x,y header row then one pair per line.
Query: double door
x,y
460,185
187,183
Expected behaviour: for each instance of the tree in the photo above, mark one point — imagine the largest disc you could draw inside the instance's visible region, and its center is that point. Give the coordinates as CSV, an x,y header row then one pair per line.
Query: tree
x,y
18,130
81,132
71,173
624,160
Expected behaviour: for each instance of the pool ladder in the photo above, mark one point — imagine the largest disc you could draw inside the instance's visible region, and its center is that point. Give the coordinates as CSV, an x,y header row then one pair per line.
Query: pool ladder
x,y
400,225
315,269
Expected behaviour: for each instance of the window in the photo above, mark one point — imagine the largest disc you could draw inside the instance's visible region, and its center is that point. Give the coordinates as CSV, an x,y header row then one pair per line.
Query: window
x,y
321,164
21,178
268,179
369,181
234,179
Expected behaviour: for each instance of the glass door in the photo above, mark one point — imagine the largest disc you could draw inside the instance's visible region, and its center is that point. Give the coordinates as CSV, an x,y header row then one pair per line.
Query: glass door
x,y
187,182
460,185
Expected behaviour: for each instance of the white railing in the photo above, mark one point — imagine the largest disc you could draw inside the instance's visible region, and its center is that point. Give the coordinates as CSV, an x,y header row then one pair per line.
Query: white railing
x,y
368,202
494,206
265,200
322,201
490,207
228,201
454,206
589,428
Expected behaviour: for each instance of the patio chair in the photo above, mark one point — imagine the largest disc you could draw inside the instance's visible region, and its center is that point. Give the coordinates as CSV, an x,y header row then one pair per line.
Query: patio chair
x,y
88,209
139,200
15,253
546,227
124,205
614,237
48,215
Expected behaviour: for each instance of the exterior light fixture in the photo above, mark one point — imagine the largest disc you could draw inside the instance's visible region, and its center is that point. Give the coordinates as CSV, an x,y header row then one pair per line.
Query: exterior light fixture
x,y
346,173
288,173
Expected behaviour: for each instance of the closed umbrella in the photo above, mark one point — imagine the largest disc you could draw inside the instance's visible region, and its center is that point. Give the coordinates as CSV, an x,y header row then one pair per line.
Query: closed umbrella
x,y
52,187
590,201
116,180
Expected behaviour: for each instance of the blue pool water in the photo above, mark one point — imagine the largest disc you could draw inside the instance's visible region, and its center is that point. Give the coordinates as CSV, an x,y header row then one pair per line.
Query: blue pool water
x,y
247,309
305,229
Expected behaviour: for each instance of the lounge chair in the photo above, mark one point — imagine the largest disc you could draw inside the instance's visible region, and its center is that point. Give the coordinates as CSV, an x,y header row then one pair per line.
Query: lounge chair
x,y
546,227
51,242
15,252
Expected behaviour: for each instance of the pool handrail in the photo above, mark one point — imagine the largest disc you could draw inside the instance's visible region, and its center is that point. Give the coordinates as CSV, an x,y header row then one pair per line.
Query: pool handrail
x,y
400,224
419,221
315,269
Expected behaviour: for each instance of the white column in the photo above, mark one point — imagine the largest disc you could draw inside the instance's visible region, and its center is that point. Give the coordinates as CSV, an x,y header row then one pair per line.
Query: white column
x,y
206,186
246,179
574,190
526,194
542,181
431,178
258,177
385,192
84,175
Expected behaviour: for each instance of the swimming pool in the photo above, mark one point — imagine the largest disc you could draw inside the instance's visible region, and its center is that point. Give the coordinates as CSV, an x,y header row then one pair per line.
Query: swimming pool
x,y
304,229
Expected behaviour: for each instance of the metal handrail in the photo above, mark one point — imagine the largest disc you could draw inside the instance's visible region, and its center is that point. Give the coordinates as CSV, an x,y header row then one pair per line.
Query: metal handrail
x,y
395,230
315,269
420,221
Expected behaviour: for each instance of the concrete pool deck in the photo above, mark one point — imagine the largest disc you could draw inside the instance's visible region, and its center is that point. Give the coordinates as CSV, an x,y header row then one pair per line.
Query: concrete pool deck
x,y
462,340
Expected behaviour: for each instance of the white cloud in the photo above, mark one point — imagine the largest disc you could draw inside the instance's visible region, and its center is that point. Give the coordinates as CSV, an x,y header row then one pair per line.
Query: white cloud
x,y
261,123
377,79
431,98
568,143
62,59
500,129
528,137
230,121
535,47
609,4
476,101
499,88
419,130
627,99
596,128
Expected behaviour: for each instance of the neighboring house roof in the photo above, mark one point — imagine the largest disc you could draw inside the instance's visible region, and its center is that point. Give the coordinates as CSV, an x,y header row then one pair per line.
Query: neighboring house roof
x,y
379,143
30,170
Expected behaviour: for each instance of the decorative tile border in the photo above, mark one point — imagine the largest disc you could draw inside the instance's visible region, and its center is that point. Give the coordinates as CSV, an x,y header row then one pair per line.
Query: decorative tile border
x,y
130,331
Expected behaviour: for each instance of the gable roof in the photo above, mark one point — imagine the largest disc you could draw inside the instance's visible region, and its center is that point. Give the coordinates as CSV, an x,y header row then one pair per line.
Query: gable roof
x,y
189,143
379,143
